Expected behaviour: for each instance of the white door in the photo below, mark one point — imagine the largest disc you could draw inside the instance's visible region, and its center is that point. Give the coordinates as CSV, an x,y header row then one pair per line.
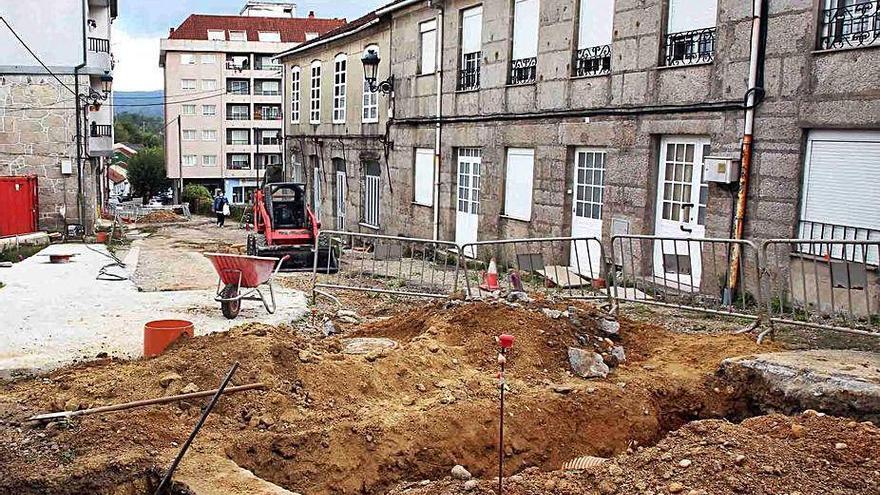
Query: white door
x,y
341,196
468,211
586,212
681,210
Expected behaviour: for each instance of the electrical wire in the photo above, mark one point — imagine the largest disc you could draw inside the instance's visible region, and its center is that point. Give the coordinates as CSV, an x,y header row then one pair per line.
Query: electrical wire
x,y
123,105
26,47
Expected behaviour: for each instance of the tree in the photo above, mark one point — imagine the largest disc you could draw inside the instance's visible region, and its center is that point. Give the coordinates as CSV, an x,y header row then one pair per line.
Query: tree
x,y
146,173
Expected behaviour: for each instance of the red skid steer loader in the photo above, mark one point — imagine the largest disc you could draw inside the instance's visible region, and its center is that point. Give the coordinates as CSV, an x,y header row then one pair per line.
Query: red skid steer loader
x,y
286,226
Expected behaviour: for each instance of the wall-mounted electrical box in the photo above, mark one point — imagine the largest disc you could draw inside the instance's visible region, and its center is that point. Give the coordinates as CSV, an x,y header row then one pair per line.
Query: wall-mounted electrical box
x,y
721,169
66,167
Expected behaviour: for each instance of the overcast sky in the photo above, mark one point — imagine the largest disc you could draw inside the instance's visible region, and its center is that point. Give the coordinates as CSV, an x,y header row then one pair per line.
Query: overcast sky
x,y
141,23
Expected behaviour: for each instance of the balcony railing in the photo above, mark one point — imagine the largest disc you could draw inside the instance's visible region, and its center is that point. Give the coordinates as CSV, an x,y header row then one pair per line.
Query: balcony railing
x,y
237,116
690,47
100,130
469,73
848,26
99,45
267,92
853,253
267,67
238,142
240,66
267,115
593,61
523,70
230,165
234,90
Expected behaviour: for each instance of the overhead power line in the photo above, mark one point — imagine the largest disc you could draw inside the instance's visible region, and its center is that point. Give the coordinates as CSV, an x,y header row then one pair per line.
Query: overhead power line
x,y
26,47
122,105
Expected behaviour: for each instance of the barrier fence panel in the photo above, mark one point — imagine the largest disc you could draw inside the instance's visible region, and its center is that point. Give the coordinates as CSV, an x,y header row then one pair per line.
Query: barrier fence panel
x,y
823,283
571,267
386,264
687,273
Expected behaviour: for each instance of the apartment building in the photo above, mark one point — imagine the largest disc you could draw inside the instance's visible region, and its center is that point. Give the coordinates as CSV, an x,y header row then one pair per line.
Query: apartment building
x,y
57,120
223,93
596,117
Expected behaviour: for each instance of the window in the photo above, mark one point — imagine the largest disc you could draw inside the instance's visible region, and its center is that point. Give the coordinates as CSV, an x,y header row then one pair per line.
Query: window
x,y
690,33
524,54
371,104
269,36
190,134
849,23
428,42
269,137
267,88
238,62
188,84
238,161
265,161
595,28
190,160
518,183
237,112
315,94
209,58
839,196
265,62
209,135
189,109
339,86
238,86
267,112
209,84
209,110
238,136
471,48
372,187
237,35
216,35
294,94
423,177
209,160
242,194
187,59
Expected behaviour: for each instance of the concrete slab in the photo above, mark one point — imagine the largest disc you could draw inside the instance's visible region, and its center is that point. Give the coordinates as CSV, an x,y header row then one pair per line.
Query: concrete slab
x,y
837,382
57,314
32,239
207,474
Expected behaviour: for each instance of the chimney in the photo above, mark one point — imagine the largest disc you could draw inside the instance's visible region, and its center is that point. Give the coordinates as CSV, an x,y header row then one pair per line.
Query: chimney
x,y
170,31
311,14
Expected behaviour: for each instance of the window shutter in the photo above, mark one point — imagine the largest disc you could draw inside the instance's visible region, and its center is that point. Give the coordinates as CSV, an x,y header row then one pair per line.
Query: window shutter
x,y
525,29
424,177
687,15
472,30
518,183
596,23
429,46
841,177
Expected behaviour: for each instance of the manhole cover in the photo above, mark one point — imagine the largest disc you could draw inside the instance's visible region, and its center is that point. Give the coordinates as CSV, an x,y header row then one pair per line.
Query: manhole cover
x,y
364,345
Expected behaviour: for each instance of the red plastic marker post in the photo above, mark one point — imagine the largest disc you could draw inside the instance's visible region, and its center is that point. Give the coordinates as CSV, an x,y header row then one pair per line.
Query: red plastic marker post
x,y
505,342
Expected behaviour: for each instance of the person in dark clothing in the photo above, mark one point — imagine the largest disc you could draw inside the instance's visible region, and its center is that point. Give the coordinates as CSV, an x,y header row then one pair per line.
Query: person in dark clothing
x,y
220,203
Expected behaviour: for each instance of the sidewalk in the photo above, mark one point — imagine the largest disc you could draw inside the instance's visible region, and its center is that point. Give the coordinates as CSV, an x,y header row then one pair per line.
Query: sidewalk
x,y
56,314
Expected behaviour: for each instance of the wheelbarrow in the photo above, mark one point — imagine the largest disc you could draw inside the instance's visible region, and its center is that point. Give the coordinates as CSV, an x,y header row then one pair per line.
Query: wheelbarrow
x,y
241,278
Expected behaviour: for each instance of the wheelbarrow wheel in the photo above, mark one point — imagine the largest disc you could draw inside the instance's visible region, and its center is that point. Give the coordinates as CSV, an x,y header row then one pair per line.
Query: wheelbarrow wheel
x,y
230,308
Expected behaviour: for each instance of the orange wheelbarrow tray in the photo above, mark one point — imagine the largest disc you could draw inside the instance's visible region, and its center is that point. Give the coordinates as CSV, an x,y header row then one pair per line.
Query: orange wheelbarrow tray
x,y
241,278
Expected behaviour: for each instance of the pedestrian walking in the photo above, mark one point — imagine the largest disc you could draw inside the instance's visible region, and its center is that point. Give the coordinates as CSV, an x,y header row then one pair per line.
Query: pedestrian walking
x,y
221,207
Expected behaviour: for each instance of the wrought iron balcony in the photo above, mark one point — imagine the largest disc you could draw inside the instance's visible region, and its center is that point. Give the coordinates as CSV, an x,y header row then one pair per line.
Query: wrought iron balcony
x,y
593,61
523,70
848,26
690,47
101,130
99,45
469,73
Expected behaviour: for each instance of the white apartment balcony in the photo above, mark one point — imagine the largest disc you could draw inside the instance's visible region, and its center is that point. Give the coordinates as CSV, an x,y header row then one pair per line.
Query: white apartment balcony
x,y
98,55
100,138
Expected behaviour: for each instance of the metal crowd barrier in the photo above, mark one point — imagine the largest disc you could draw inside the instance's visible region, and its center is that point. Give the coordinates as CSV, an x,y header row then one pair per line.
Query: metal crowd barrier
x,y
831,284
388,264
686,273
563,266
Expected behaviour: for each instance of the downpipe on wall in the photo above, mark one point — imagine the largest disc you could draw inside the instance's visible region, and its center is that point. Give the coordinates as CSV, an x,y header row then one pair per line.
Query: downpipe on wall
x,y
438,128
752,99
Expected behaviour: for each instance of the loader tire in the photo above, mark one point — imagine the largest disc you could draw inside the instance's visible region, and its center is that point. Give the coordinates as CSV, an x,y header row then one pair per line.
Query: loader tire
x,y
230,309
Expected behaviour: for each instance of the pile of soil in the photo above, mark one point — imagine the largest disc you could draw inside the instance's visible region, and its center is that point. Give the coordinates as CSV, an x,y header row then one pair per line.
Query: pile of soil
x,y
161,216
331,422
775,454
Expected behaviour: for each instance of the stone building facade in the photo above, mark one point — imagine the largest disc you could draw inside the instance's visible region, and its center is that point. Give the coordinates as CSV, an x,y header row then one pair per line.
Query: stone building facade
x,y
601,128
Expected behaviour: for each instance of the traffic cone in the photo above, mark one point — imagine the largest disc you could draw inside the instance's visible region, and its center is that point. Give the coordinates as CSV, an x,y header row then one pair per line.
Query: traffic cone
x,y
490,278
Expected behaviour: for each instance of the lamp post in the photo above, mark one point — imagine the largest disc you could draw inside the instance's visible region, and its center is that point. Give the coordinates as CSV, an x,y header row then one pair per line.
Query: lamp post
x,y
371,68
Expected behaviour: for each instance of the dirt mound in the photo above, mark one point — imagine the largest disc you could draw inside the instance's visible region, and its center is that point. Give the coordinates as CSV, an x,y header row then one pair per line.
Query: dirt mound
x,y
161,216
330,422
808,454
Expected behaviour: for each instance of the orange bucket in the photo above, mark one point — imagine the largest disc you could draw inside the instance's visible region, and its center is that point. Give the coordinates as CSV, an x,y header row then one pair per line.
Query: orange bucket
x,y
159,334
101,237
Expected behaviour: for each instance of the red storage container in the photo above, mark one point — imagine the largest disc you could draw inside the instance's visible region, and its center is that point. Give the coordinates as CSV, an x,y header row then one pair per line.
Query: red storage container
x,y
18,202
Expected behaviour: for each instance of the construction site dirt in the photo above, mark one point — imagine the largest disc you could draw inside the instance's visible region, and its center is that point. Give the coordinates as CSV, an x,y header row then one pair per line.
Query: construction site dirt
x,y
347,414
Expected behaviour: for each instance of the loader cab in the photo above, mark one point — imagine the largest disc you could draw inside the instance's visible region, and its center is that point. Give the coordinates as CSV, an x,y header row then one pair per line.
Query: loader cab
x,y
286,204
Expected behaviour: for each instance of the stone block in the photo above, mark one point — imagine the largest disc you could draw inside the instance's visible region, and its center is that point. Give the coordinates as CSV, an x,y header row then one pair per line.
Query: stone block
x,y
552,95
684,84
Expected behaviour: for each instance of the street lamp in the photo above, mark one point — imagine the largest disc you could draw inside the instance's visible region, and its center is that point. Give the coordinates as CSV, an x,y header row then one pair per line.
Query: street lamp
x,y
371,67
